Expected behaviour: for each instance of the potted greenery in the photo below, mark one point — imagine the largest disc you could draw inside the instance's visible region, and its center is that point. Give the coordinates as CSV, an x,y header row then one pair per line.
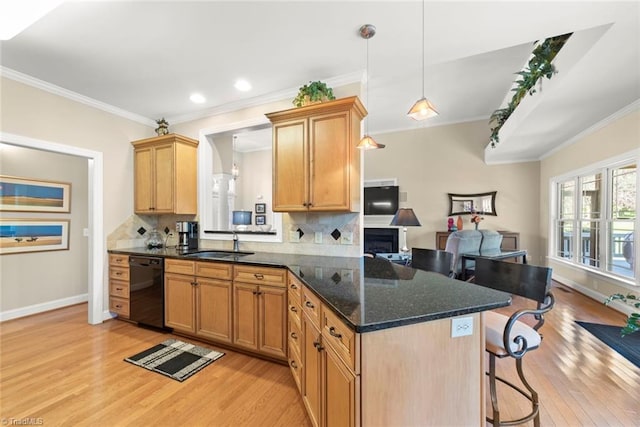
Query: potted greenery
x,y
633,321
313,92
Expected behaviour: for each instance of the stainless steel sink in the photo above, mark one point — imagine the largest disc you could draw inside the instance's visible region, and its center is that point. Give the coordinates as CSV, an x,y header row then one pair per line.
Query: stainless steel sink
x,y
217,254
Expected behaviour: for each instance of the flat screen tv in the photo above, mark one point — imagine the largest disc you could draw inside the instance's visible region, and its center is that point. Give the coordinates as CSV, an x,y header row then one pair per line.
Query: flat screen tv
x,y
381,200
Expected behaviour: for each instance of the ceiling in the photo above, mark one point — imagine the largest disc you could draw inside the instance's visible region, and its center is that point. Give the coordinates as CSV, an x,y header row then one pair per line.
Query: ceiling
x,y
147,58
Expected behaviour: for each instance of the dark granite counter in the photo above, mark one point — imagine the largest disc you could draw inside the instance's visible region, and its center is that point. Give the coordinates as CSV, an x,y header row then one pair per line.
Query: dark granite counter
x,y
368,293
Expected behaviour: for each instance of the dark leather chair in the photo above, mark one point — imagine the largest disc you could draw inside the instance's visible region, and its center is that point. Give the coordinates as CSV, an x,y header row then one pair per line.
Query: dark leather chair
x,y
432,260
508,336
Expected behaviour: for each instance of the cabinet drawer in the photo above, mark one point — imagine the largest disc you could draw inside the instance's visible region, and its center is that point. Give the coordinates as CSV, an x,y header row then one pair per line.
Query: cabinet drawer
x,y
341,338
295,363
294,310
260,275
179,266
119,273
295,289
120,306
295,335
118,288
214,270
311,306
119,260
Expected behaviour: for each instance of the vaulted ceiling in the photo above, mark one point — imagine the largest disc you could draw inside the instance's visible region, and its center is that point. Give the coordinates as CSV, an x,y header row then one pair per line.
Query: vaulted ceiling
x,y
147,58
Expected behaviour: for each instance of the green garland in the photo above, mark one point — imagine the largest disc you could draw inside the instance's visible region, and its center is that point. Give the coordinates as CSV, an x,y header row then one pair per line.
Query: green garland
x,y
539,66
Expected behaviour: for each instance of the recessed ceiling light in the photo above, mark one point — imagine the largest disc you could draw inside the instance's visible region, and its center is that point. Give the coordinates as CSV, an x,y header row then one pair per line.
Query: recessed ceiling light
x,y
242,85
196,98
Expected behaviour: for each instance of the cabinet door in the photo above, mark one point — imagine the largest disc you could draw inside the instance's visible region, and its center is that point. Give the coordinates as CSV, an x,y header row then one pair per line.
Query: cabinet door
x,y
164,178
273,321
143,161
213,313
312,376
330,155
245,315
179,310
340,399
290,166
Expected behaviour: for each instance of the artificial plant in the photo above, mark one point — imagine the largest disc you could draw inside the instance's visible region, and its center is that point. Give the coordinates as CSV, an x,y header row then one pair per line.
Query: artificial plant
x,y
633,321
313,92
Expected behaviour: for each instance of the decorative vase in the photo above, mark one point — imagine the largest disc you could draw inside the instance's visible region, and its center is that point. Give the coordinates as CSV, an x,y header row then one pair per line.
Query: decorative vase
x,y
459,224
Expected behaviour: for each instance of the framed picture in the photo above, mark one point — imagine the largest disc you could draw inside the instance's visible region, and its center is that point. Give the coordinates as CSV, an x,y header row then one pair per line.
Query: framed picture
x,y
261,208
33,235
261,219
32,195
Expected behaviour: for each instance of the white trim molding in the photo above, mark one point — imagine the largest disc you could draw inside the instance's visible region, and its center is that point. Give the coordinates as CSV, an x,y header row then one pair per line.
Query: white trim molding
x,y
597,296
42,307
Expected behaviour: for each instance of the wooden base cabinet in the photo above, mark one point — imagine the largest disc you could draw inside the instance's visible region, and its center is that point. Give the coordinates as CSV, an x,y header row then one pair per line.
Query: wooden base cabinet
x,y
119,285
260,310
316,165
165,175
197,304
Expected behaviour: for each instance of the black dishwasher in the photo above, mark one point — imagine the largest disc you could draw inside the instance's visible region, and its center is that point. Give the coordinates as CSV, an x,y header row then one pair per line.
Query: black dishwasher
x,y
146,290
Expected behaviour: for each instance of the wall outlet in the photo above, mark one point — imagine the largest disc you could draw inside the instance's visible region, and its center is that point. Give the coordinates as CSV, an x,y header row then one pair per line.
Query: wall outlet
x,y
294,236
347,238
461,326
85,232
318,237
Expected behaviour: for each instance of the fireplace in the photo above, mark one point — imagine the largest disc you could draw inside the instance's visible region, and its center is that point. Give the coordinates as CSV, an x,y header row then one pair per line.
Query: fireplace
x,y
380,240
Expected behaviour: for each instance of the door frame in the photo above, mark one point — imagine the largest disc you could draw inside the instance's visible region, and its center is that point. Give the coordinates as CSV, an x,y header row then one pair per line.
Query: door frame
x,y
97,250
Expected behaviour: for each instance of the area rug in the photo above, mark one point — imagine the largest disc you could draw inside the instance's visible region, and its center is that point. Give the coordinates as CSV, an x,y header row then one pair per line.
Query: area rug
x,y
176,359
629,346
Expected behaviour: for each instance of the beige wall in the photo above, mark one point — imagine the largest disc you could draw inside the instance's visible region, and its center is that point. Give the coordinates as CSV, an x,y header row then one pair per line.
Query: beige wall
x,y
34,113
431,162
618,137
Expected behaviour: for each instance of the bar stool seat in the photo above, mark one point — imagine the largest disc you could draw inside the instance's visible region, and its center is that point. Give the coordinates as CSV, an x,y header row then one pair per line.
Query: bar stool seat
x,y
494,327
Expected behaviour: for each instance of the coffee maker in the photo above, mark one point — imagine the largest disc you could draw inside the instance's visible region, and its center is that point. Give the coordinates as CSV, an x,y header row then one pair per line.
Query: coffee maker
x,y
187,234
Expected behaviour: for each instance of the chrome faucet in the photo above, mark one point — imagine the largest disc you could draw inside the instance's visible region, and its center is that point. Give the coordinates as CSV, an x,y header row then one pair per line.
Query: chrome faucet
x,y
236,242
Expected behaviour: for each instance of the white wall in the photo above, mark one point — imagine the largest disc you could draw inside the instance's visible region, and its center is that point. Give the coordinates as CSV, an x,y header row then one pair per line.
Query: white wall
x,y
433,161
620,136
34,113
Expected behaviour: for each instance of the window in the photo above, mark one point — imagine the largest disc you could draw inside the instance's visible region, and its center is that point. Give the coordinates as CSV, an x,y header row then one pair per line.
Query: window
x,y
594,218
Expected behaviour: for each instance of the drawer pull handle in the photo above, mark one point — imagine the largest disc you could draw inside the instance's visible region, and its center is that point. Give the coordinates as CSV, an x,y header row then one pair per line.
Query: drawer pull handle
x,y
293,286
118,306
258,292
294,309
318,346
333,333
194,283
309,304
118,289
118,273
259,276
294,335
294,365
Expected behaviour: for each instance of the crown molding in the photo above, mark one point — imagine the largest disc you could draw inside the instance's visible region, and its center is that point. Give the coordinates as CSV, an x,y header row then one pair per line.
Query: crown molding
x,y
345,79
74,96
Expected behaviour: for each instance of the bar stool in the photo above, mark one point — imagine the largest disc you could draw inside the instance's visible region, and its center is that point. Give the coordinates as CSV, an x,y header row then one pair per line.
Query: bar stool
x,y
432,260
508,336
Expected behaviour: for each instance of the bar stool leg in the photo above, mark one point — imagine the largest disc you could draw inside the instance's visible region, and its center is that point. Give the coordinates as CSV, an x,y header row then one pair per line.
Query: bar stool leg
x,y
493,391
534,394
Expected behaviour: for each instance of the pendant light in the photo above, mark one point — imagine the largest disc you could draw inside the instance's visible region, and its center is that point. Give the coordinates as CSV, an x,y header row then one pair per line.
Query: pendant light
x,y
367,142
423,108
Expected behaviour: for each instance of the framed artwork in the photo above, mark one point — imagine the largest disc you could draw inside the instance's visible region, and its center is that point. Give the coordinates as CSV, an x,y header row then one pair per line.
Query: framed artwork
x,y
33,235
261,219
32,195
261,208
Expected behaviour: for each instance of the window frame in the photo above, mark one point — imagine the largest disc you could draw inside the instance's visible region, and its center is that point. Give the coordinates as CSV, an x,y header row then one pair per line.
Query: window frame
x,y
605,221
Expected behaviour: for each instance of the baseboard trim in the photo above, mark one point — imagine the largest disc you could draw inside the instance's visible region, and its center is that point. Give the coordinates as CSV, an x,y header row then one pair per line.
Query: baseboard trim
x,y
597,296
42,307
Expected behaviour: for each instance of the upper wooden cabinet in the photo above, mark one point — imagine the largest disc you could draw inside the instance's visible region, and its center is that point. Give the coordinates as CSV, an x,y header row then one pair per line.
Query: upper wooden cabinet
x,y
316,165
165,174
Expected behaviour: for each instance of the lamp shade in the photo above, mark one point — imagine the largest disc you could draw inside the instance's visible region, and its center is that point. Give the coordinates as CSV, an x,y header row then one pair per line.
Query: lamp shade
x,y
422,109
406,218
368,143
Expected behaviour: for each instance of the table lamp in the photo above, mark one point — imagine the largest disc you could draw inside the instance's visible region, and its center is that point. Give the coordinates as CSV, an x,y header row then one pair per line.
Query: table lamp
x,y
241,219
405,218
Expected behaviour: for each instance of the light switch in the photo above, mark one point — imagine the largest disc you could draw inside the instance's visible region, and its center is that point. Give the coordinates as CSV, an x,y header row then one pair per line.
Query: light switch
x,y
347,238
318,237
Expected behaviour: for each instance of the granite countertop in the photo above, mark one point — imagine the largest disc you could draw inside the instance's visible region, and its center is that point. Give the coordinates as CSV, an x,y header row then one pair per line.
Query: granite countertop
x,y
368,293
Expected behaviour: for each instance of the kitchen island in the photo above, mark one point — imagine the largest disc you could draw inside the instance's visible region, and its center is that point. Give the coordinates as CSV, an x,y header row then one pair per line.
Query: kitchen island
x,y
373,340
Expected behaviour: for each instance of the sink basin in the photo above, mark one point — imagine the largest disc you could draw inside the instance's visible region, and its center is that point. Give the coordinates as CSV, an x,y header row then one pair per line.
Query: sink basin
x,y
217,254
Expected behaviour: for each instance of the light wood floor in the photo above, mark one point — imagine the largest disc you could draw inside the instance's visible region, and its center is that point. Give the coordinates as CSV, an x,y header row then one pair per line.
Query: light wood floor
x,y
56,368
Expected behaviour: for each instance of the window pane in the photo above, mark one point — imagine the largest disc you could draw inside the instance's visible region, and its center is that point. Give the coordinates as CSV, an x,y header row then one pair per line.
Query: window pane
x,y
590,243
567,203
623,192
622,249
564,244
591,190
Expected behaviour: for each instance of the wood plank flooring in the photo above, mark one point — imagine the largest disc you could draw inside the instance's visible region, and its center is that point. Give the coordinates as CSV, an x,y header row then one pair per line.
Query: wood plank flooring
x,y
58,370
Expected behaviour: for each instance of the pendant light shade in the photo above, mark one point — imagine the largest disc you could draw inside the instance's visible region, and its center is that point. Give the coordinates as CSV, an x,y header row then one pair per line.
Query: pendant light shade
x,y
423,108
367,142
